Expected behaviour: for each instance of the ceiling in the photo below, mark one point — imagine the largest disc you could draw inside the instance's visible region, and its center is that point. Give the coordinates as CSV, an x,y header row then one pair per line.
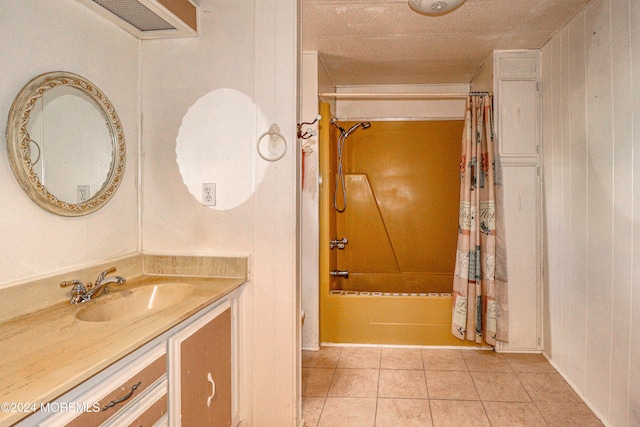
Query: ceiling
x,y
382,42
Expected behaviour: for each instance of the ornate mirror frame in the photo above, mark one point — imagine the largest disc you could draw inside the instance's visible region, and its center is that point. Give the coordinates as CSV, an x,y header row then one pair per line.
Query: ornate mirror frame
x,y
19,150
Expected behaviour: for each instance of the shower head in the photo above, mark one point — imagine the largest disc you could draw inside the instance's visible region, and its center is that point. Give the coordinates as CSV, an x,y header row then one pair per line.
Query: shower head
x,y
365,125
340,174
345,133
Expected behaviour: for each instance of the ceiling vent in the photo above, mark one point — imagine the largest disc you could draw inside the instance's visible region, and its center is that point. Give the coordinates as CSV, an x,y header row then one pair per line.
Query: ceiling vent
x,y
148,19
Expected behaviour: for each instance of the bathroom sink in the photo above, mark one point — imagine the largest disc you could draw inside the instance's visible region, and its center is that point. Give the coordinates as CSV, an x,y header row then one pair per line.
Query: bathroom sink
x,y
134,302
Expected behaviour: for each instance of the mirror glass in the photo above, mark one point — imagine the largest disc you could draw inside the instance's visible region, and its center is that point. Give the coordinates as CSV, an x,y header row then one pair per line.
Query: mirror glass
x,y
65,143
71,147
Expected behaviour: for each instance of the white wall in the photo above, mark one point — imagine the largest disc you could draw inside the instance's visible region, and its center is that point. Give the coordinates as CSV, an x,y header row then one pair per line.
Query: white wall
x,y
591,139
326,84
313,80
483,81
309,203
60,35
206,101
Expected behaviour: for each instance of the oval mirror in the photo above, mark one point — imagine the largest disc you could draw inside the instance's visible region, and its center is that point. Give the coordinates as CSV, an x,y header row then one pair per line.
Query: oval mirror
x,y
65,144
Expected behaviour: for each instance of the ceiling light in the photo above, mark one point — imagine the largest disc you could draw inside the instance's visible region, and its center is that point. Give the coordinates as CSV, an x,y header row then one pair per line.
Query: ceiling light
x,y
435,7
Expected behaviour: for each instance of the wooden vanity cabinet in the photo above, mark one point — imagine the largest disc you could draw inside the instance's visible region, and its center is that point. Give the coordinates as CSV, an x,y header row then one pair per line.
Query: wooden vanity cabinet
x,y
184,377
201,363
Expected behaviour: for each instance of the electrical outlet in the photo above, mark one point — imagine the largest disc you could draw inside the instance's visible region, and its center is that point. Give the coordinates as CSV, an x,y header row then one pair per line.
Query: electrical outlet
x,y
208,194
83,193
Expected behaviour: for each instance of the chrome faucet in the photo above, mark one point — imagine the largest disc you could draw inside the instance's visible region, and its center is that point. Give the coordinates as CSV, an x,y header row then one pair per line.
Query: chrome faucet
x,y
77,292
81,293
101,285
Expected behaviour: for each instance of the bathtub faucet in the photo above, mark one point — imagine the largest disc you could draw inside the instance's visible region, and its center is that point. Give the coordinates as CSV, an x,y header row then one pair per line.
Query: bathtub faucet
x,y
338,243
340,273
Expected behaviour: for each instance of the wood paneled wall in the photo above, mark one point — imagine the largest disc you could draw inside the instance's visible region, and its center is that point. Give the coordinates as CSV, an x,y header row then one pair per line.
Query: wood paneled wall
x,y
591,140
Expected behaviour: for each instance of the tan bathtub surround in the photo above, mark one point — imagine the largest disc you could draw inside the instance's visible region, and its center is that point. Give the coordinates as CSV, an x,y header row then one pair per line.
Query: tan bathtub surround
x,y
47,352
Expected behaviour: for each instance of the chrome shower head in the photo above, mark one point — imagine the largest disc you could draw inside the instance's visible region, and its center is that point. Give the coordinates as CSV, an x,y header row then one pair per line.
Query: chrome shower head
x,y
365,125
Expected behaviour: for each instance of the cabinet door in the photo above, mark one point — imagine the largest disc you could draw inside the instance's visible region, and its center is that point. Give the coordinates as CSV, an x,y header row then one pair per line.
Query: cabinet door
x,y
203,350
521,219
518,118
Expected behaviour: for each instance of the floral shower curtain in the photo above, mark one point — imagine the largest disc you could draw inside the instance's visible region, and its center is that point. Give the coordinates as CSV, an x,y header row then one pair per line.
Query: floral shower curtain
x,y
480,311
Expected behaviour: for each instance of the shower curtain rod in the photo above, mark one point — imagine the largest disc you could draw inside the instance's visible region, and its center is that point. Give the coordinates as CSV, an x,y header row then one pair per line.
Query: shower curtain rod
x,y
374,95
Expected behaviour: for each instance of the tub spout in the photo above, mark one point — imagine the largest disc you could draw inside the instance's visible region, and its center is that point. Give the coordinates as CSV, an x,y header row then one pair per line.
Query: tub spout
x,y
340,273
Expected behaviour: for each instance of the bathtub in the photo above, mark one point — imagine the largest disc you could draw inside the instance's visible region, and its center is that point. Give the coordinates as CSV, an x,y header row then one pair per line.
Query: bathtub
x,y
352,314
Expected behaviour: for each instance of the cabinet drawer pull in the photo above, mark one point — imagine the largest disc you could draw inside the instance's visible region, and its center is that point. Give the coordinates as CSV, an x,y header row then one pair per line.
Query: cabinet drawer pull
x,y
123,398
213,389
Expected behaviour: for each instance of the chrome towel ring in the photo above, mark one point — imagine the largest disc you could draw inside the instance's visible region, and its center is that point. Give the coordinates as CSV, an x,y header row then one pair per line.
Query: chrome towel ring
x,y
274,135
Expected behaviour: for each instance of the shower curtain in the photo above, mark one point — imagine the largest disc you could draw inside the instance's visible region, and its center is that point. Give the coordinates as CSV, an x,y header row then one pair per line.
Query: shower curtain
x,y
480,311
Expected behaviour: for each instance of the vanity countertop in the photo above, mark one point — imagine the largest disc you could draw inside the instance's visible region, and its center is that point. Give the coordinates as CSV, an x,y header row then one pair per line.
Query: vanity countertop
x,y
46,353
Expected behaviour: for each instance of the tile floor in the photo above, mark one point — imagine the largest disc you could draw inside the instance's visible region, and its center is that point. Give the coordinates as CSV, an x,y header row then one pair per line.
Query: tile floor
x,y
381,387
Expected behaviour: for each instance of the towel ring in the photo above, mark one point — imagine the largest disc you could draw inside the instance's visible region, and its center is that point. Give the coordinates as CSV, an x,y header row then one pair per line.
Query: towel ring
x,y
274,134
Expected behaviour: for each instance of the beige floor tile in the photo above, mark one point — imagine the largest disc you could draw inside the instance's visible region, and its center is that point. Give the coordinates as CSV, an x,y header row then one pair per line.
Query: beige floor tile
x,y
513,414
378,387
548,388
402,383
486,361
403,413
401,358
348,412
311,410
354,383
451,385
458,413
443,360
360,357
316,381
499,387
529,363
575,414
326,357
